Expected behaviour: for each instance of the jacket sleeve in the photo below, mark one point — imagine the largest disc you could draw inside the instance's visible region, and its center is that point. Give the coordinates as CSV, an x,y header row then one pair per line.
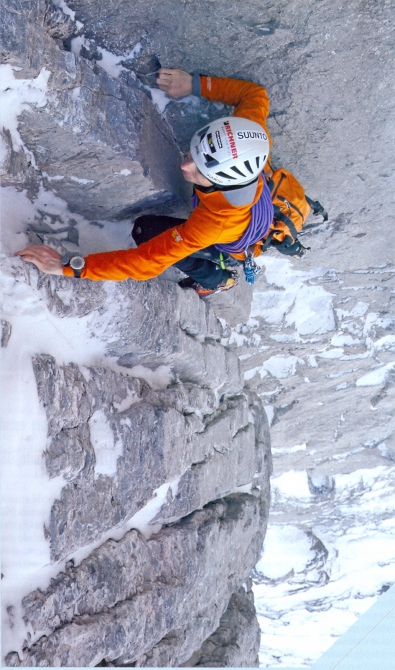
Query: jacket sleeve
x,y
153,257
249,100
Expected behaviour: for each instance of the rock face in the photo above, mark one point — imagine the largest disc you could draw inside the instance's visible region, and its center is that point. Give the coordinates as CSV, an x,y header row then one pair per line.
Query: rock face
x,y
236,637
131,601
318,355
195,448
341,356
158,599
93,129
163,434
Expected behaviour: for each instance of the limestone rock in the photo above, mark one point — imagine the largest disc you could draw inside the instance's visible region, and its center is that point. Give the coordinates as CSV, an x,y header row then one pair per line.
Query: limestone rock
x,y
102,145
202,444
200,435
96,131
235,642
132,601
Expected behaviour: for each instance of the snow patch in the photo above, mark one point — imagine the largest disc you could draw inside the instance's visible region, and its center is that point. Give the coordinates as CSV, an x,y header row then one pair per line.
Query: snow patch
x,y
126,403
159,98
387,343
158,379
292,484
249,374
275,562
282,367
269,409
77,43
17,96
112,63
82,181
306,307
342,340
57,177
103,442
331,353
359,310
375,377
289,450
65,9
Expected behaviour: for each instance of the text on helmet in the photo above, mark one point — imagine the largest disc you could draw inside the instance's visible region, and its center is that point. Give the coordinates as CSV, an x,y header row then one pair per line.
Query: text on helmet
x,y
251,135
232,142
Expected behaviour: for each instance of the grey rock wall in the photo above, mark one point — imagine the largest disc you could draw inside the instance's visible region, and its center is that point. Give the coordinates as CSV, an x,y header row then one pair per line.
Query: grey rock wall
x,y
164,435
233,640
101,144
151,602
131,601
96,131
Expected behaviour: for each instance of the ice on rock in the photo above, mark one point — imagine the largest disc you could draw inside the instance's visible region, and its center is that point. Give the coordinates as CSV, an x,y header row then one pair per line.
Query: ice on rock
x,y
375,377
282,367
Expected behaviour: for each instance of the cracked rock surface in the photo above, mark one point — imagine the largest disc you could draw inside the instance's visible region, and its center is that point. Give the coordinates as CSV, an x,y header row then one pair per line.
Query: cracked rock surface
x,y
122,594
98,131
137,599
181,595
171,589
234,638
131,601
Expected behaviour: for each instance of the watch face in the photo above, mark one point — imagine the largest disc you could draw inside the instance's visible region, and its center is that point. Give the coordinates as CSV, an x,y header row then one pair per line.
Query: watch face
x,y
77,262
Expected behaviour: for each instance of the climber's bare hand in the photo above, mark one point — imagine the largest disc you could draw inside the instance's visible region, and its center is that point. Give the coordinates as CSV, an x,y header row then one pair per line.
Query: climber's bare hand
x,y
175,83
45,258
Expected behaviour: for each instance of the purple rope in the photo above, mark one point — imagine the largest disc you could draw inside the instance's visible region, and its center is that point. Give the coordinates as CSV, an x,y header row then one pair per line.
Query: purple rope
x,y
261,218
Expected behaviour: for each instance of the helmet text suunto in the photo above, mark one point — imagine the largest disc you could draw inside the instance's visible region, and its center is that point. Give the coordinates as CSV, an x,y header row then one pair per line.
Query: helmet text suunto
x,y
251,135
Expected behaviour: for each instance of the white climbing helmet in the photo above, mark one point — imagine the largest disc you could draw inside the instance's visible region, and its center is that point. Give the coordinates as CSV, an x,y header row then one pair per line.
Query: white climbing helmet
x,y
230,151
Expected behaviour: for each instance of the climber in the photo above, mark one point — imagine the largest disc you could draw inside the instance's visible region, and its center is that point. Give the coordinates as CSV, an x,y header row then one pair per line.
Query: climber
x,y
224,164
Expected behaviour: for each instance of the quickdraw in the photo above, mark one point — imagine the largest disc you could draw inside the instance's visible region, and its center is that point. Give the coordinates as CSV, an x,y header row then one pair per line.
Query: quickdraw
x,y
251,269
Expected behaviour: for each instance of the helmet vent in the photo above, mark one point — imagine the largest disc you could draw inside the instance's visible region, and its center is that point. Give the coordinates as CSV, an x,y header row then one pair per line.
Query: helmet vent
x,y
236,169
225,176
257,161
248,166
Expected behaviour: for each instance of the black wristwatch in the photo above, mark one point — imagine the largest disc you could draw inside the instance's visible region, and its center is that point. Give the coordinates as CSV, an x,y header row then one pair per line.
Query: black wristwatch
x,y
76,263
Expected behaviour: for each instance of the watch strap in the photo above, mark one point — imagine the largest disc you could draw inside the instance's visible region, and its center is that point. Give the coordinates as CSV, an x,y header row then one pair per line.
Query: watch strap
x,y
66,258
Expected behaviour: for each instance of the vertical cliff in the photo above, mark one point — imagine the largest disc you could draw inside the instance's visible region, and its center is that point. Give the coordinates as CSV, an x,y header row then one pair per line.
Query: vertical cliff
x,y
137,454
147,476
